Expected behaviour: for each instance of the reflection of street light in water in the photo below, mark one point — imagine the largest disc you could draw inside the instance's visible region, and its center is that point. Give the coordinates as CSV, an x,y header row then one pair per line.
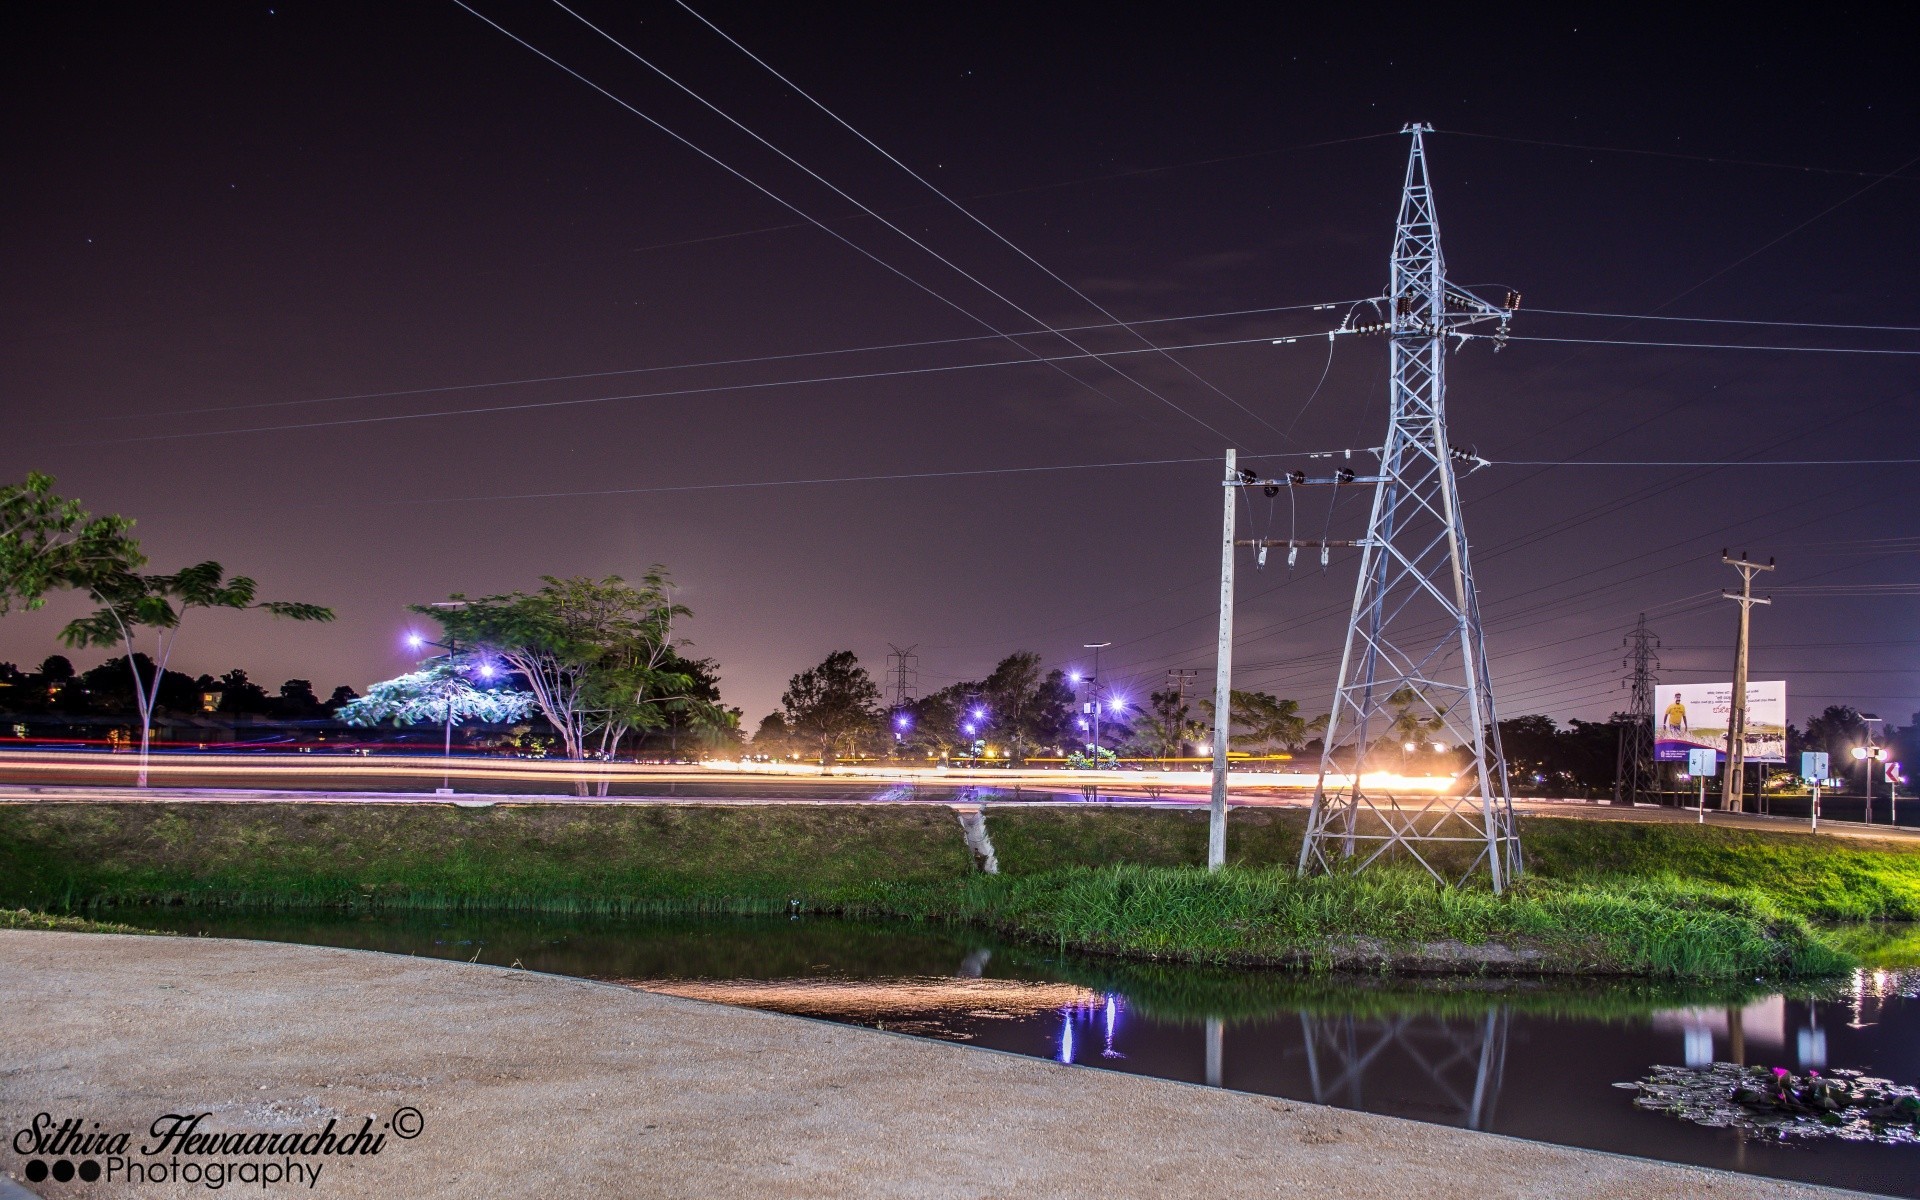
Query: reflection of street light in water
x,y
1697,1042
1113,1006
1813,1040
1066,1036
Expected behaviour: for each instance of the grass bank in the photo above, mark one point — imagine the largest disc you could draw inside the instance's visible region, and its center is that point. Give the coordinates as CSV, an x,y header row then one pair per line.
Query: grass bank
x,y
1601,897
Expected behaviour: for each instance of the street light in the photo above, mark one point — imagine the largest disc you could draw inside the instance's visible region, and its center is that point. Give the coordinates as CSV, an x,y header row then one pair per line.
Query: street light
x,y
451,646
1867,754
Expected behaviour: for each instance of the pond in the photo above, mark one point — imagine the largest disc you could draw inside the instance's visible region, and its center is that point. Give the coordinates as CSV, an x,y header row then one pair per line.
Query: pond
x,y
1528,1059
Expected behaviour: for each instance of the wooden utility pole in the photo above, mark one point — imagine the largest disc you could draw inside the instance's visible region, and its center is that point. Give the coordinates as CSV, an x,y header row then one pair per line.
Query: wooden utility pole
x,y
1223,676
1732,794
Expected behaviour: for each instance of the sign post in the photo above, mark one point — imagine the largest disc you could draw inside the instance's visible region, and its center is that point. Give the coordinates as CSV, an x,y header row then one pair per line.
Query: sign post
x,y
1700,764
1813,769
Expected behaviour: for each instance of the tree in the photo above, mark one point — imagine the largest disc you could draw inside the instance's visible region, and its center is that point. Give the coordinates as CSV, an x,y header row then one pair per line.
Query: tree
x,y
834,706
773,739
241,695
933,722
131,603
598,655
1025,709
109,685
1262,722
48,543
696,715
297,700
440,693
1837,730
1169,725
1269,723
342,696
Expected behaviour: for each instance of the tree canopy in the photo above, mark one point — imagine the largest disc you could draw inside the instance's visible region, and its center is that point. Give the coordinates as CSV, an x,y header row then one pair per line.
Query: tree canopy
x,y
598,655
440,693
833,707
49,543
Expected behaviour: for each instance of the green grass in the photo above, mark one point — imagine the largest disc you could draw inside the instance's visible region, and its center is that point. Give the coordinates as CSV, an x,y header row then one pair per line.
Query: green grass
x,y
1388,918
1828,878
1660,901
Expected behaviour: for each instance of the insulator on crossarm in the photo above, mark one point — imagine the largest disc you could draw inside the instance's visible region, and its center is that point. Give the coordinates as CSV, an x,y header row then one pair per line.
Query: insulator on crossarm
x,y
1293,556
1260,560
1324,553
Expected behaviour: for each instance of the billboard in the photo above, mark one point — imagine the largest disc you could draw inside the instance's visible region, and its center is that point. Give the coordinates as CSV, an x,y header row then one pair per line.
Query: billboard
x,y
1691,716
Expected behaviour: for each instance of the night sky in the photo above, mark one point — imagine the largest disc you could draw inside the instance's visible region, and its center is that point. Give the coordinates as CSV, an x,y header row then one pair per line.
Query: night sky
x,y
268,264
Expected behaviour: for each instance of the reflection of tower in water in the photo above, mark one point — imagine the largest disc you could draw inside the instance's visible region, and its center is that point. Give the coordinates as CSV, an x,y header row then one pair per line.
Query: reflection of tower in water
x,y
1461,1061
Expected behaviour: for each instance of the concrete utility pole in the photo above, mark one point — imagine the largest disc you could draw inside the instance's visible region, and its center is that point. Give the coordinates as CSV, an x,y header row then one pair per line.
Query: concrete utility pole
x,y
1733,782
1223,674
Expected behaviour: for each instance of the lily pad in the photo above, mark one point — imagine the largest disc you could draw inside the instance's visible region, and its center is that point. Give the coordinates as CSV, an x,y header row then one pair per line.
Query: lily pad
x,y
1776,1103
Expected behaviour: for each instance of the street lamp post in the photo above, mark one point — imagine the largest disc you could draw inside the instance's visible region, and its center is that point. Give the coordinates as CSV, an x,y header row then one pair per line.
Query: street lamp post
x,y
1093,694
1867,755
451,646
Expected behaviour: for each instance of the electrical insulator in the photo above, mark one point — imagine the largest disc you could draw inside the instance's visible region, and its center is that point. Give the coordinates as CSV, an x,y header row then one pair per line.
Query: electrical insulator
x,y
1324,552
1260,560
1271,490
1293,556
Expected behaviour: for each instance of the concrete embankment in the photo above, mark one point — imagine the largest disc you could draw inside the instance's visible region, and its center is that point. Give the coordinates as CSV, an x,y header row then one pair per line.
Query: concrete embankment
x,y
528,1084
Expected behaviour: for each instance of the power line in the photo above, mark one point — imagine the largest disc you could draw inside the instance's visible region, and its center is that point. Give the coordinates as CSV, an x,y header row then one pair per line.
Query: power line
x,y
1567,312
1680,462
735,362
968,213
843,194
736,485
810,218
1716,159
1701,345
384,418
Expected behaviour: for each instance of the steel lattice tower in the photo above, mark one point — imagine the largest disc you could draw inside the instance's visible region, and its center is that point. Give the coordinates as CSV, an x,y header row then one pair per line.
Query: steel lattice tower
x,y
1633,774
1414,658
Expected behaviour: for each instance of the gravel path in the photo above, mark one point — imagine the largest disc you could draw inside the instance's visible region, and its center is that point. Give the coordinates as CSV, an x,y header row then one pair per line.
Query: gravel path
x,y
532,1084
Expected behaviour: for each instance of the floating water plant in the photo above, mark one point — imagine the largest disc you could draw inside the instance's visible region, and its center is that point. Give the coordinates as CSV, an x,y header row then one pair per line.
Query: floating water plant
x,y
1777,1103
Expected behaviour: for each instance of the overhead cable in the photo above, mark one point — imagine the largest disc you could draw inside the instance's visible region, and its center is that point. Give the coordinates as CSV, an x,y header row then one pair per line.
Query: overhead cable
x,y
843,194
385,418
967,213
809,217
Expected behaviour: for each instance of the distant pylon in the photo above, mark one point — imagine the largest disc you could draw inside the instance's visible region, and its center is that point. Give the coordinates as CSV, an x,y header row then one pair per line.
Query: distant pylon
x,y
1633,770
903,674
1414,659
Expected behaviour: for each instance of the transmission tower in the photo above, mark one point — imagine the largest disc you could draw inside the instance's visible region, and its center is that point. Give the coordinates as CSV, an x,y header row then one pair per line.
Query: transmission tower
x,y
1633,772
1414,650
903,674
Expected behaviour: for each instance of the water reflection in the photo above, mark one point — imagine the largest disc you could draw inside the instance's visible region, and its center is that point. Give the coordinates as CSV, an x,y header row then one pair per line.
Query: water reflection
x,y
1531,1060
1461,1062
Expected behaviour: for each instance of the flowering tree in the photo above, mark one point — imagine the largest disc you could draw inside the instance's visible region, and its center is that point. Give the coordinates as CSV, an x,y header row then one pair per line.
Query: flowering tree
x,y
439,693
